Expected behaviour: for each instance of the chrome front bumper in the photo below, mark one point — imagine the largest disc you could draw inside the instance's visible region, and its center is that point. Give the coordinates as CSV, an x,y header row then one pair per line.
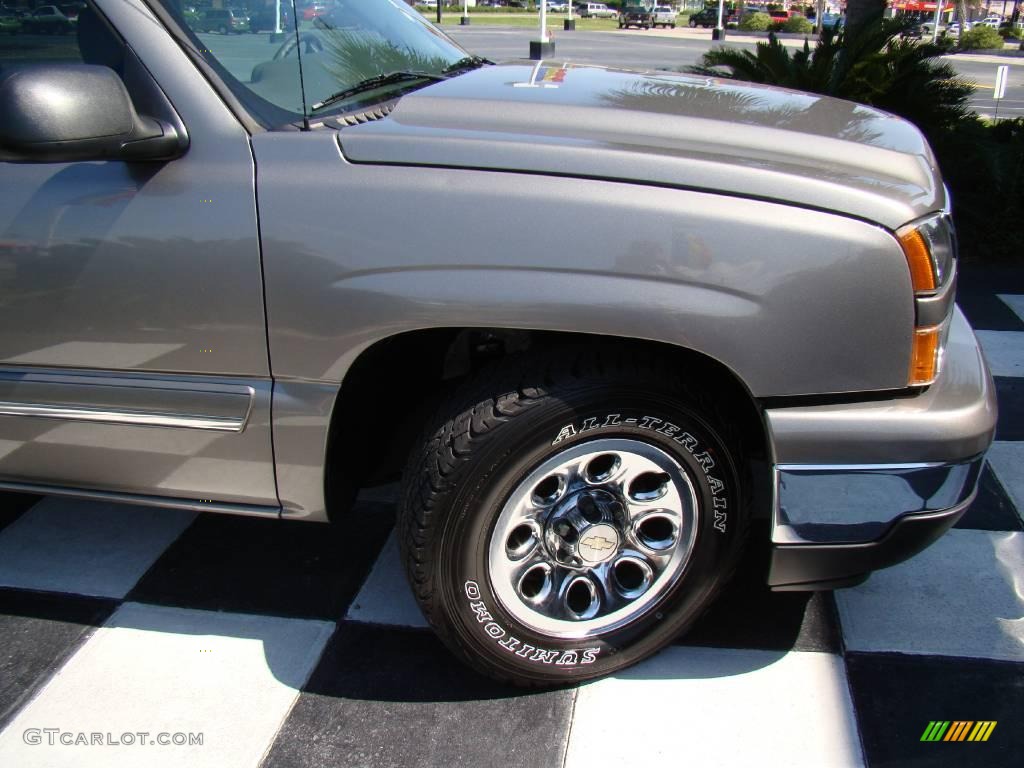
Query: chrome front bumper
x,y
861,486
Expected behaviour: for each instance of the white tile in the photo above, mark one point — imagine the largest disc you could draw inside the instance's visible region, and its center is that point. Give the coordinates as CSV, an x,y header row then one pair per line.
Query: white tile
x,y
1004,351
963,596
1014,301
386,597
86,547
713,707
1007,461
232,678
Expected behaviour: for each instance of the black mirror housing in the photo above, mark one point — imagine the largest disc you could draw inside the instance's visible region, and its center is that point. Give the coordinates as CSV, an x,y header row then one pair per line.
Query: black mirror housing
x,y
67,112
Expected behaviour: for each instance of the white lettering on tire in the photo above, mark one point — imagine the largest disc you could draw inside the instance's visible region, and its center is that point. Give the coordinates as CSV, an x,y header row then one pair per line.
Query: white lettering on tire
x,y
562,658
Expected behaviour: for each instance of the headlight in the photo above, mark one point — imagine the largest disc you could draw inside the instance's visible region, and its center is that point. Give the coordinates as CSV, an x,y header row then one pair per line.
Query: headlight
x,y
930,248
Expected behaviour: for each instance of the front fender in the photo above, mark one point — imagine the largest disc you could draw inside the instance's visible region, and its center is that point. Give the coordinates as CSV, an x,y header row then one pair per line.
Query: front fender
x,y
794,301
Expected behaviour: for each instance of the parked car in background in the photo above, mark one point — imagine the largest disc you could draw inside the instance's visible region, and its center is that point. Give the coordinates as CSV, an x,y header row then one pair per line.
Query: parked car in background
x,y
558,7
265,18
48,19
991,20
596,11
955,28
664,16
10,22
637,16
226,21
706,17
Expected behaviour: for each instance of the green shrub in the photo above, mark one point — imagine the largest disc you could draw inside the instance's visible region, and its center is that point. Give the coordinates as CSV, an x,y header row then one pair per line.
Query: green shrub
x,y
1009,33
798,24
981,37
755,22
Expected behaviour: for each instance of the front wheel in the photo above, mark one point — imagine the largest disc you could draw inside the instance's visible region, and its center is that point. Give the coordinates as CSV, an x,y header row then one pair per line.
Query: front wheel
x,y
570,518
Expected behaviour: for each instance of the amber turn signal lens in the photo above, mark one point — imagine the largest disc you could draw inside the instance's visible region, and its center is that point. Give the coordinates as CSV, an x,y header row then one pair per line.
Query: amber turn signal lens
x,y
922,273
924,357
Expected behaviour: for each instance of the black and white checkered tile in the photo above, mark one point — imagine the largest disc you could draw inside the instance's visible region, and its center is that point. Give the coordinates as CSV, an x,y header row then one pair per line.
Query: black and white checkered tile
x,y
288,644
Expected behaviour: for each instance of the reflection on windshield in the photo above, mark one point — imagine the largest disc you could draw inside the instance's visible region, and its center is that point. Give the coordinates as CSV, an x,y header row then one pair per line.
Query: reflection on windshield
x,y
331,45
357,40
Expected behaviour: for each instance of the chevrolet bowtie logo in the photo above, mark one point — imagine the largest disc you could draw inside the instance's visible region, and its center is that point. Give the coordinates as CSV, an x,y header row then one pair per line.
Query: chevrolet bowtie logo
x,y
598,543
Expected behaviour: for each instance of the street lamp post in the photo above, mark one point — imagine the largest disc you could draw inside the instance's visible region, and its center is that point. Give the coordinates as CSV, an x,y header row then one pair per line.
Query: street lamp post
x,y
278,34
544,47
935,29
718,33
464,21
569,25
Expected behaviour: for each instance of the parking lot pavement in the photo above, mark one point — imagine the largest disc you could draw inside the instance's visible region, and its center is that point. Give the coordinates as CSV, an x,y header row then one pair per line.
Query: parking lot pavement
x,y
290,644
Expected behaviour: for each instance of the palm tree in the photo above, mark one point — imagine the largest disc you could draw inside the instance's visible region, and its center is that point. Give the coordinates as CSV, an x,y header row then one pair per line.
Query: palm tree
x,y
860,13
872,65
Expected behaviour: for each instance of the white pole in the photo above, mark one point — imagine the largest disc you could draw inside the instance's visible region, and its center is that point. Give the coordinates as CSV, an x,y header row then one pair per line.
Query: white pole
x,y
570,8
465,7
543,20
277,17
938,10
721,12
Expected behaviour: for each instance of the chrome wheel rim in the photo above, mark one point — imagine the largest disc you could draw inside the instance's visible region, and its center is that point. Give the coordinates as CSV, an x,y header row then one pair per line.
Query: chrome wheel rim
x,y
593,537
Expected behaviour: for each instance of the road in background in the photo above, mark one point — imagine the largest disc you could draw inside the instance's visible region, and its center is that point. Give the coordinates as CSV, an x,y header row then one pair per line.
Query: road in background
x,y
649,50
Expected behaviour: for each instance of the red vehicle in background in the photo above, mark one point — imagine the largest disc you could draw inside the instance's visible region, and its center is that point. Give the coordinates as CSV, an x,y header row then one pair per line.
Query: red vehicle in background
x,y
310,12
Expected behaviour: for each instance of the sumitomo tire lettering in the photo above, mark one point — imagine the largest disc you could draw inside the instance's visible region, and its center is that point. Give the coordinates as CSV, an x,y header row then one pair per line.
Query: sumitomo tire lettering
x,y
564,658
482,614
546,656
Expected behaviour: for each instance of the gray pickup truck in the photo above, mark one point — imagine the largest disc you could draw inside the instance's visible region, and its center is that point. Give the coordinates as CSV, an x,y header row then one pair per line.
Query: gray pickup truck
x,y
255,273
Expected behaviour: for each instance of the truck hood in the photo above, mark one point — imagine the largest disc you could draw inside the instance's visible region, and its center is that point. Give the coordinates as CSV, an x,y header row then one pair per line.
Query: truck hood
x,y
690,132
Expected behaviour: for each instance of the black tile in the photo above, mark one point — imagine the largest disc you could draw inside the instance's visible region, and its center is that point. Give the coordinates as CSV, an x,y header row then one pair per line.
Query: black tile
x,y
991,509
896,696
14,505
38,633
749,615
977,292
284,568
987,312
387,697
1010,391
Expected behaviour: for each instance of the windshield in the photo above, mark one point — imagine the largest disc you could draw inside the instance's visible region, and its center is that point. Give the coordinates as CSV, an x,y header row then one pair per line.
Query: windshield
x,y
281,57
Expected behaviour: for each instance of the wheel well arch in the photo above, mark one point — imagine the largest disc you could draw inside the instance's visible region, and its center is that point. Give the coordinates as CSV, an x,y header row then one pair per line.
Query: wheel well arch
x,y
396,384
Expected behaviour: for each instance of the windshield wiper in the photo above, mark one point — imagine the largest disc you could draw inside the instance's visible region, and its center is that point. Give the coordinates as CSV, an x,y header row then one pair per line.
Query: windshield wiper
x,y
375,82
467,62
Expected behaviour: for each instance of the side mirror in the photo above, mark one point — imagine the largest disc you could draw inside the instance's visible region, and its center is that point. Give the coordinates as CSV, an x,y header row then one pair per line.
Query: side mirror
x,y
65,112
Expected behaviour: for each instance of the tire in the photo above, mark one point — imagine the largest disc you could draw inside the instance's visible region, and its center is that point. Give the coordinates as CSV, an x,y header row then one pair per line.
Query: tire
x,y
693,24
502,442
673,26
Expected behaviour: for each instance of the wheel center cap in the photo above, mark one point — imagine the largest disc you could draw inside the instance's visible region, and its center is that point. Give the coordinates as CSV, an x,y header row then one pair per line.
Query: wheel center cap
x,y
598,543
